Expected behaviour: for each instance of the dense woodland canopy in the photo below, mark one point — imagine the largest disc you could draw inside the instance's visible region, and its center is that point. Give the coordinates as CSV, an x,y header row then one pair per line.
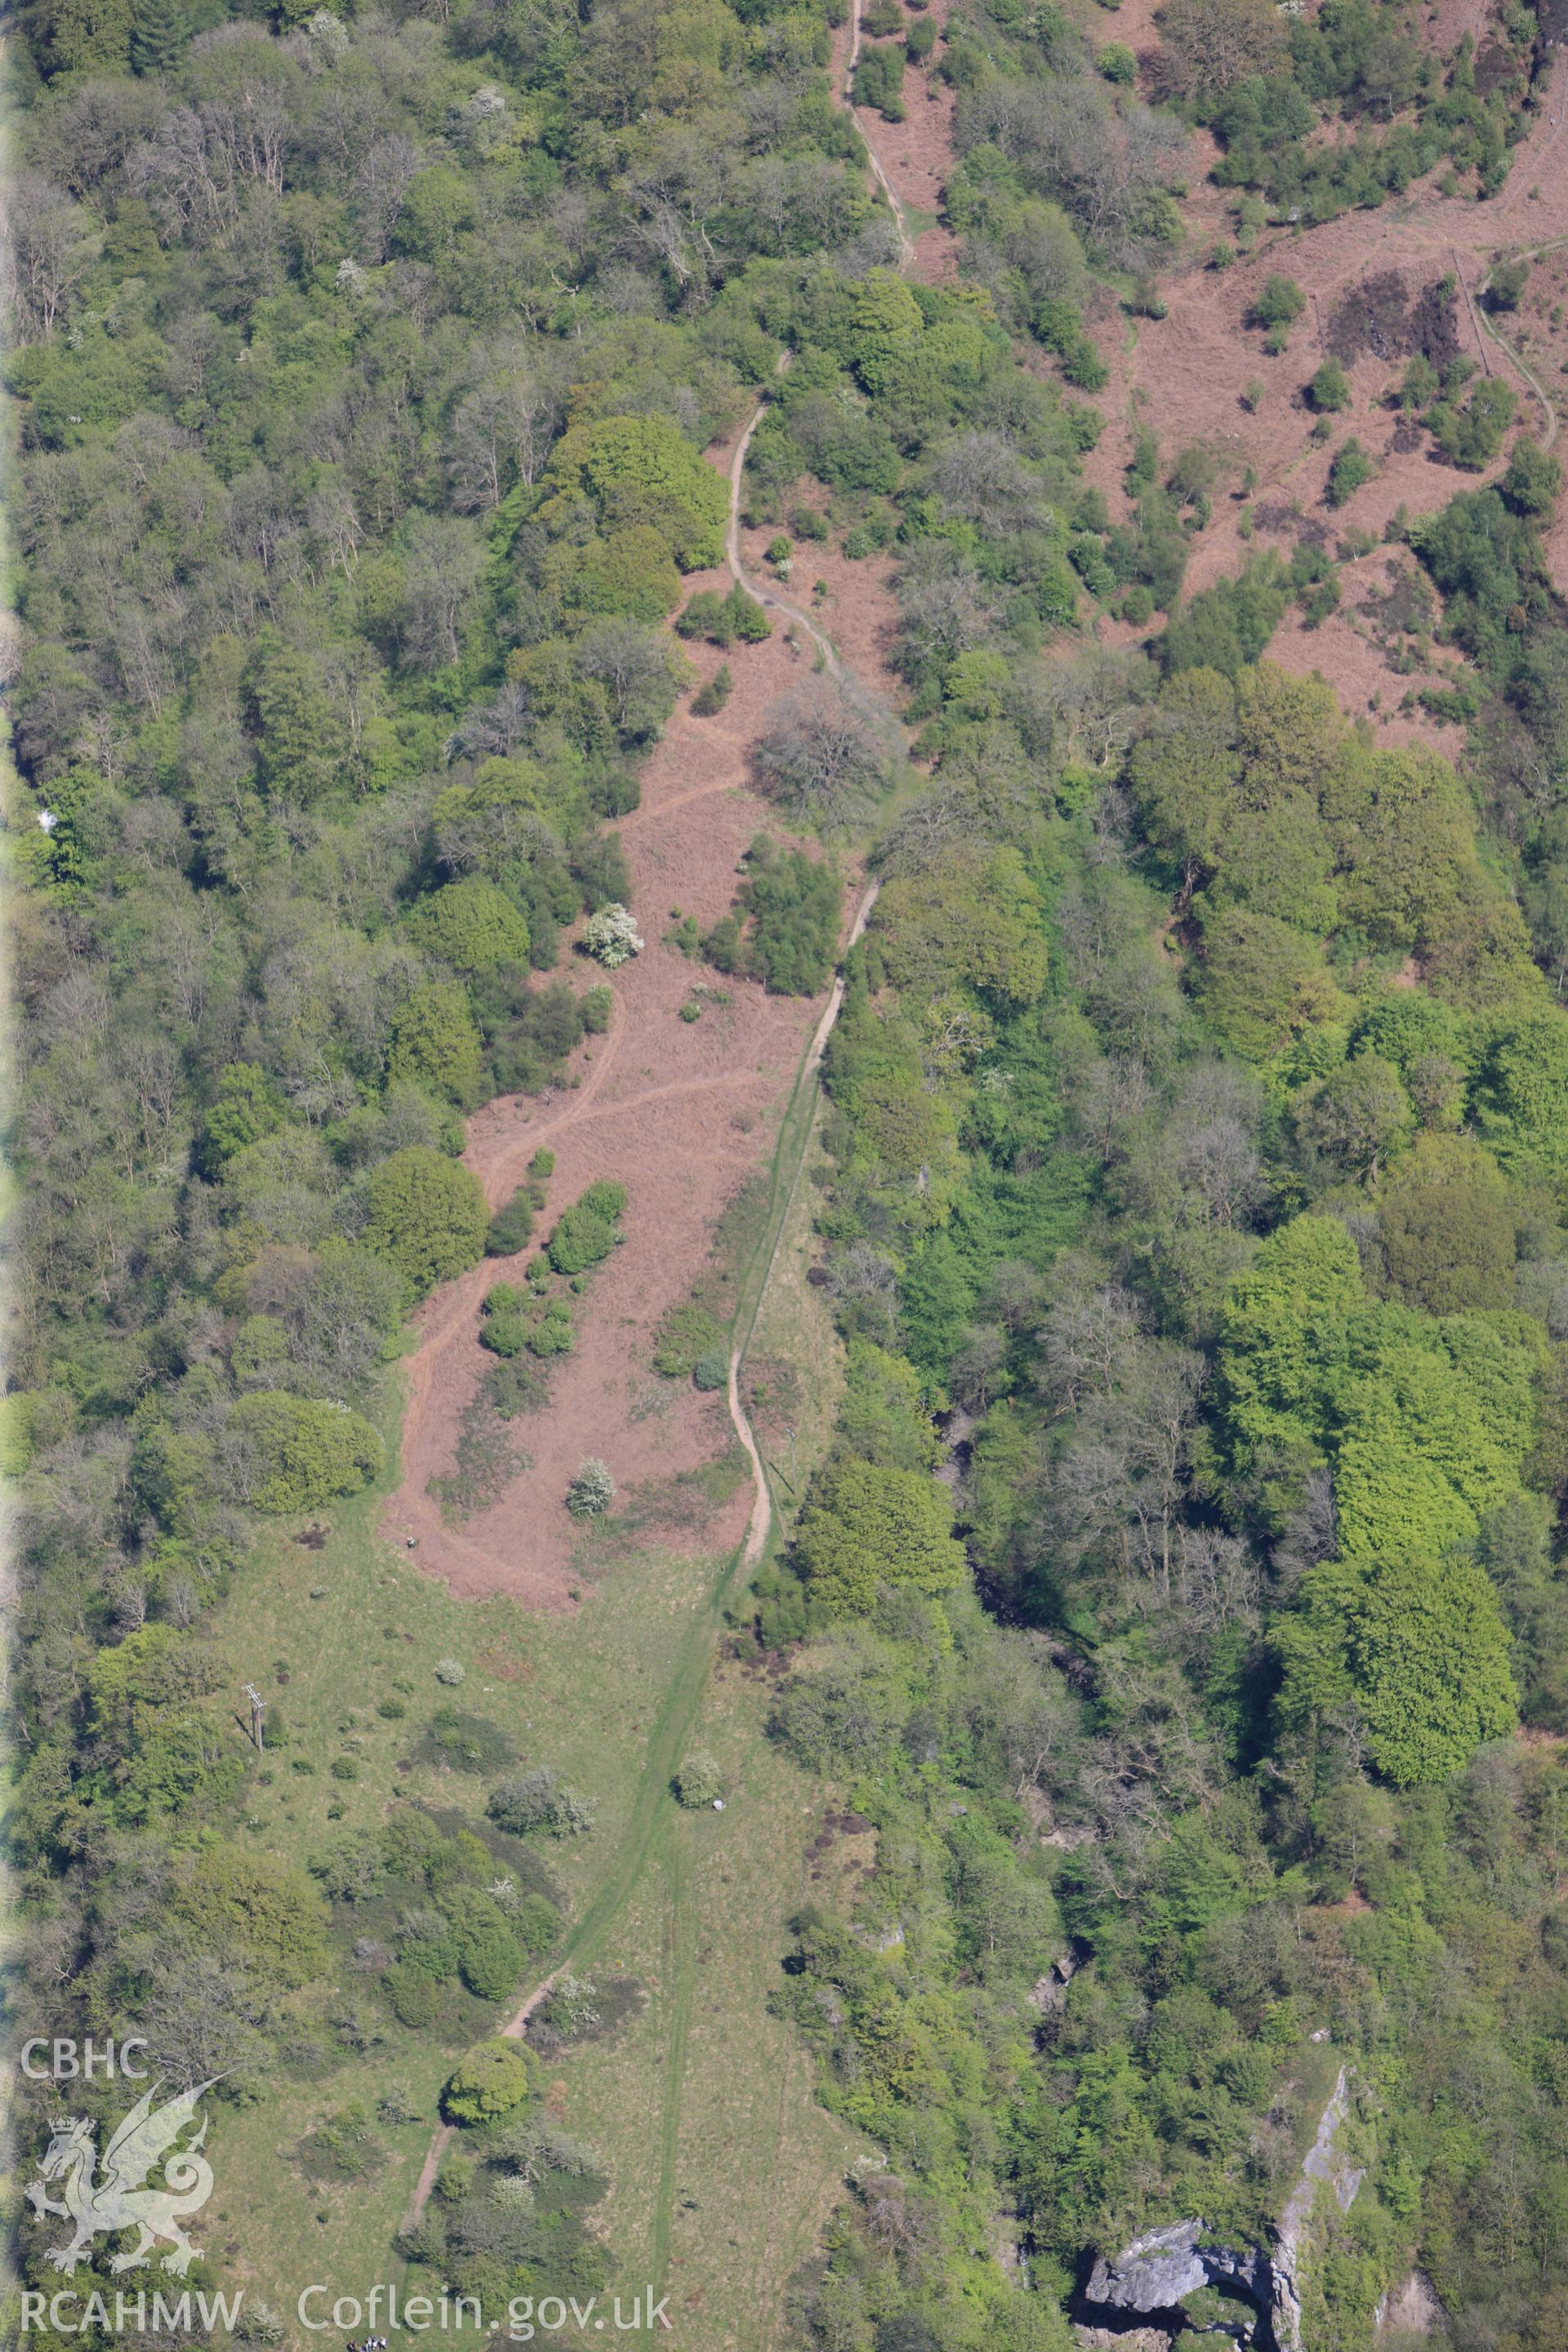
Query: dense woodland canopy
x,y
1198,1111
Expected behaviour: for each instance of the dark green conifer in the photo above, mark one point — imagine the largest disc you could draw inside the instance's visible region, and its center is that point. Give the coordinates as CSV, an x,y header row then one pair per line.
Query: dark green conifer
x,y
158,35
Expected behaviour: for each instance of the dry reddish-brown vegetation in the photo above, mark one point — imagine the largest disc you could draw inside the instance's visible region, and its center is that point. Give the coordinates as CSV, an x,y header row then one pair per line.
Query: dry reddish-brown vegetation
x,y
1371,279
680,1113
915,154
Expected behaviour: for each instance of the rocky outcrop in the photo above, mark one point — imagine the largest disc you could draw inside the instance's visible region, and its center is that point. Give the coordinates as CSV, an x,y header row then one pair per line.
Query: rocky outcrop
x,y
1153,2273
1411,2308
1321,2163
1156,2272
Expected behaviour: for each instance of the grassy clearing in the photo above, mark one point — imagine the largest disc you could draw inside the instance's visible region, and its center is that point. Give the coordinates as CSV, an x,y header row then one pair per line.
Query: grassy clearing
x,y
754,2147
700,2096
727,2163
605,1696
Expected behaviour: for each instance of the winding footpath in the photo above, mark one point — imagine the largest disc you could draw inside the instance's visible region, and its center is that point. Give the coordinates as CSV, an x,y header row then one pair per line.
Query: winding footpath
x,y
765,595
879,173
761,1523
459,1304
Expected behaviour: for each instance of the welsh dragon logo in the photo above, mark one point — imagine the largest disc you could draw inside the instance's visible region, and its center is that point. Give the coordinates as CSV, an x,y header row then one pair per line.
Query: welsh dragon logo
x,y
119,2197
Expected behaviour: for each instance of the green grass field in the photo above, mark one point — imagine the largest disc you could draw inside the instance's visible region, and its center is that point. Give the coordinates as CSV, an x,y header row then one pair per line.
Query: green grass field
x,y
721,2162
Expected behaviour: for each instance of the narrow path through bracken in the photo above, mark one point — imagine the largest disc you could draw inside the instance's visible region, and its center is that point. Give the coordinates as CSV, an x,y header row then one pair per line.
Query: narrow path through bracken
x,y
637,1844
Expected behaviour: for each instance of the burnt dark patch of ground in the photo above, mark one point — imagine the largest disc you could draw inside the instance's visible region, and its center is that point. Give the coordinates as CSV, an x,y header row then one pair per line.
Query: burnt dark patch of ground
x,y
1285,522
1382,317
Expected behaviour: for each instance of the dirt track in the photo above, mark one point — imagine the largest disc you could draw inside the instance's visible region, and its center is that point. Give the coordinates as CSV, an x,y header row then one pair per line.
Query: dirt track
x,y
909,161
501,1142
678,1112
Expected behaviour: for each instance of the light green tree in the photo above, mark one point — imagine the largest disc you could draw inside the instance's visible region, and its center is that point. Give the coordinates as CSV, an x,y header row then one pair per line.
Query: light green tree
x,y
868,1527
427,1215
1416,1647
293,1454
492,2080
436,1045
473,926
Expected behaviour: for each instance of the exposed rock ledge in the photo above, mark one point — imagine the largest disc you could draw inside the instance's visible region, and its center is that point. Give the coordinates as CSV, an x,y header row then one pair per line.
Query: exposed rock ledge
x,y
1156,2272
1321,2164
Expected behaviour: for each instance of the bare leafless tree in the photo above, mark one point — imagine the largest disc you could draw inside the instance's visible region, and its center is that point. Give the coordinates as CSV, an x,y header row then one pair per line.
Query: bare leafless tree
x,y
1207,46
820,760
44,257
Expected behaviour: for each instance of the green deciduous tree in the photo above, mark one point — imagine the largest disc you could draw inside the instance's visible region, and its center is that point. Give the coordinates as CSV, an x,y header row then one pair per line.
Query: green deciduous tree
x,y
248,1107
1447,1228
492,2080
1357,1116
1523,1092
1416,1648
89,36
436,1045
972,918
867,1528
642,470
294,1453
256,1906
427,1215
1261,983
1533,478
1285,1335
302,745
472,926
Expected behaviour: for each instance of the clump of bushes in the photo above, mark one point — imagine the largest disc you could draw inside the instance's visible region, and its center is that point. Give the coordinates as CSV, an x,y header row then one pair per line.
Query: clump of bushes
x,y
532,1319
1329,389
591,1491
1277,309
455,1920
691,1342
724,619
511,1226
1059,324
1471,435
711,699
784,926
1350,469
516,1317
700,1781
879,81
586,1233
539,1799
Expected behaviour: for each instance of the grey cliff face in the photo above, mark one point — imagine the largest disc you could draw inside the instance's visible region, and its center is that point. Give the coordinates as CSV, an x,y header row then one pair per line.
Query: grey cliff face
x,y
1156,2271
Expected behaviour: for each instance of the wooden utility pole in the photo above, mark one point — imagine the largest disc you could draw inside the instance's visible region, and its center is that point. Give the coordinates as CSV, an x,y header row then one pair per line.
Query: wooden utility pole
x,y
257,1707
